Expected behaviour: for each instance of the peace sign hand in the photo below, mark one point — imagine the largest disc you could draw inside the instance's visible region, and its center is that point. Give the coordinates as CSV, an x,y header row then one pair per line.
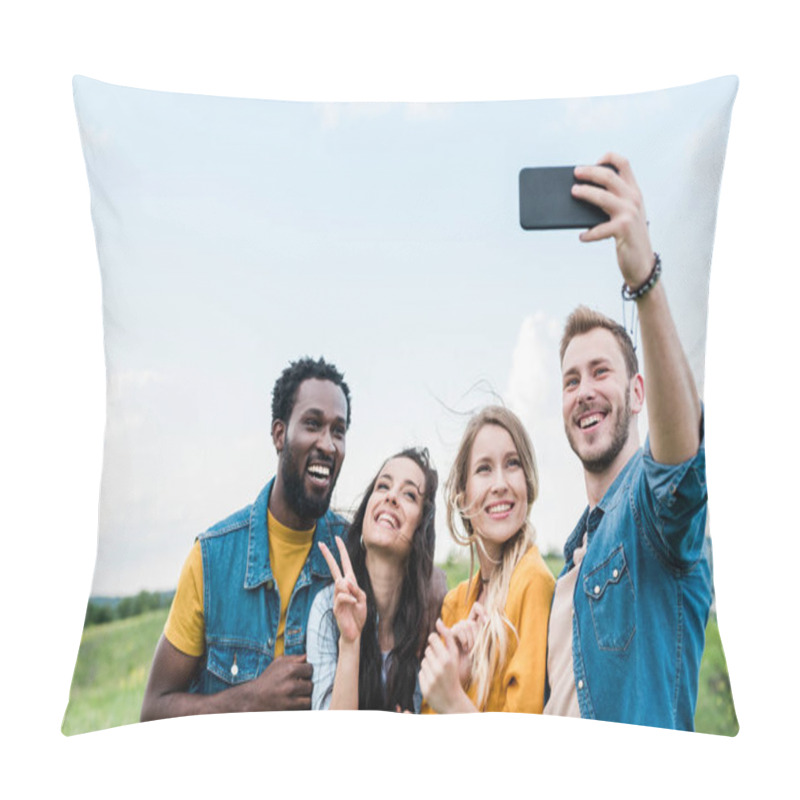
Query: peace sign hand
x,y
349,600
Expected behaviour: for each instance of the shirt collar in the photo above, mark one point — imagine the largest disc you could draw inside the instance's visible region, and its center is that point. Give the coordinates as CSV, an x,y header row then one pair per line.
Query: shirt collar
x,y
258,567
614,492
591,517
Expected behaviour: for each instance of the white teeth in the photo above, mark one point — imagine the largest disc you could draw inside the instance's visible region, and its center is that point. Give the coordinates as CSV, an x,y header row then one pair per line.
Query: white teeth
x,y
387,518
500,508
588,421
320,470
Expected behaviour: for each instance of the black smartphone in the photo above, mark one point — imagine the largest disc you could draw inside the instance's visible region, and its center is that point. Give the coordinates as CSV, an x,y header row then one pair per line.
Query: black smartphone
x,y
546,201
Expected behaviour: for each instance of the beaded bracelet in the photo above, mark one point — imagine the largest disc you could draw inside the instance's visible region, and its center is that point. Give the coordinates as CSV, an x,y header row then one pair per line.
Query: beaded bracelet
x,y
635,294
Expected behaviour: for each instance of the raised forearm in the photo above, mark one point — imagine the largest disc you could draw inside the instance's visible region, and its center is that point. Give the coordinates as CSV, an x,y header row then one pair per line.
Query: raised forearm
x,y
345,684
673,404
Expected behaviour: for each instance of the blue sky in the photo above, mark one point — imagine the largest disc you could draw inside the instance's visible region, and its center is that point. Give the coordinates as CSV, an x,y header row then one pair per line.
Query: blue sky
x,y
237,235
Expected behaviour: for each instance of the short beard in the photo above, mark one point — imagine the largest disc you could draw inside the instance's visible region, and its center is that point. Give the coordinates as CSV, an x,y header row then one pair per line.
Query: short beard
x,y
604,460
304,505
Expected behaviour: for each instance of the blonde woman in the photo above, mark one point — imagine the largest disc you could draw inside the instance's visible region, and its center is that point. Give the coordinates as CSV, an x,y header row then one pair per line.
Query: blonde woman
x,y
489,651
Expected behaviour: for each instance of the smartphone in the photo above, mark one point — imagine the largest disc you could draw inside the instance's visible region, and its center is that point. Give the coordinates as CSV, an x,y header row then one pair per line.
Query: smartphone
x,y
546,201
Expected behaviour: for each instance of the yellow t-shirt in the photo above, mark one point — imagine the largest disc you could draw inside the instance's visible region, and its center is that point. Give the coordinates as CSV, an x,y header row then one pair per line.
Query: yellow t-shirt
x,y
519,684
185,626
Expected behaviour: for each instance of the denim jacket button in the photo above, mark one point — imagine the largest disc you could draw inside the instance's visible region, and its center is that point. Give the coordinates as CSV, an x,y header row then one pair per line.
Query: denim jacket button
x,y
615,573
580,684
269,641
269,585
597,590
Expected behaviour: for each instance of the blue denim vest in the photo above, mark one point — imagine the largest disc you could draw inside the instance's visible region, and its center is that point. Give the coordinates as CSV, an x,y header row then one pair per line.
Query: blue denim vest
x,y
240,596
643,595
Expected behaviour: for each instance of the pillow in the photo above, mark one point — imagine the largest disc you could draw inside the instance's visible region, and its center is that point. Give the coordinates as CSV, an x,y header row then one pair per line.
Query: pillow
x,y
235,236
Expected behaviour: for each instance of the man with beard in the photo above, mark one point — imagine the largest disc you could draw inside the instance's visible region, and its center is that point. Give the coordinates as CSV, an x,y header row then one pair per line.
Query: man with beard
x,y
627,624
236,633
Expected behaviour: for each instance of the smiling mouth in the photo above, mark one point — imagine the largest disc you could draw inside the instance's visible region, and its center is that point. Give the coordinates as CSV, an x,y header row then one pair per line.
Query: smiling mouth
x,y
590,421
499,509
385,518
319,473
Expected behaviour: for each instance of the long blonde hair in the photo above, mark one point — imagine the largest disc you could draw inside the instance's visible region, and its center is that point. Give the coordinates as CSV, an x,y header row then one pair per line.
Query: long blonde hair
x,y
489,652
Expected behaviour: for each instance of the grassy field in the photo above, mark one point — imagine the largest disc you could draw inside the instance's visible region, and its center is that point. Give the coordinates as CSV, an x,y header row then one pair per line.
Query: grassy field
x,y
114,659
111,672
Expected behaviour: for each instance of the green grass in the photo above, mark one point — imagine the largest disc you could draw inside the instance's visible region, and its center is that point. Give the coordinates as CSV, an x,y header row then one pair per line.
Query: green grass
x,y
114,660
715,712
111,672
456,569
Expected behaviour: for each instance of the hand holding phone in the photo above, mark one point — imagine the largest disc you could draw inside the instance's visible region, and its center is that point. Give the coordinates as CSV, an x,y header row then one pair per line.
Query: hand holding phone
x,y
546,201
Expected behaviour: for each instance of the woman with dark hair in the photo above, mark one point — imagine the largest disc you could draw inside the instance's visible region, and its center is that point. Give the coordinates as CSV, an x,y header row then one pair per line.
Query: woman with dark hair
x,y
366,632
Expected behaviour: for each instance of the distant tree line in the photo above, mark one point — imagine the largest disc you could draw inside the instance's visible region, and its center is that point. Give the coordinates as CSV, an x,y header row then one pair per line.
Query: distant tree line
x,y
108,609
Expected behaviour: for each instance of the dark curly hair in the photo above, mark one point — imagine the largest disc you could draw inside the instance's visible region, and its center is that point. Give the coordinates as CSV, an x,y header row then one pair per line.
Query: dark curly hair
x,y
284,393
411,618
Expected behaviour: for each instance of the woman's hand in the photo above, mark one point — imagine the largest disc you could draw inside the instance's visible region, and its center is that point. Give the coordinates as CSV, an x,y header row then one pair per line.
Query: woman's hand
x,y
349,600
465,633
439,673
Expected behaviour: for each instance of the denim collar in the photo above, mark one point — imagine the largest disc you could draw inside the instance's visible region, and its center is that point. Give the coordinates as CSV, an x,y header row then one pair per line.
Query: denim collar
x,y
590,518
259,570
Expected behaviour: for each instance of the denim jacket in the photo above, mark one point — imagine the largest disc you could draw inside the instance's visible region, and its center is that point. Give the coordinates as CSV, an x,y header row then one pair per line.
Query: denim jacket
x,y
643,595
240,596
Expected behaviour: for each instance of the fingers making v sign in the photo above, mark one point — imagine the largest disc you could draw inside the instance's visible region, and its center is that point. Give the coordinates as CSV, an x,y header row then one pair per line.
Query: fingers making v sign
x,y
349,600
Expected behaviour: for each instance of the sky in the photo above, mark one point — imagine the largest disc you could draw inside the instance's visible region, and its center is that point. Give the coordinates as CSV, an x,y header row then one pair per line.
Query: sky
x,y
53,406
235,236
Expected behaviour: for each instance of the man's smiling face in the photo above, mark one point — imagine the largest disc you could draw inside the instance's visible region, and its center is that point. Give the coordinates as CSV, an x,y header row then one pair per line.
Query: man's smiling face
x,y
597,399
312,448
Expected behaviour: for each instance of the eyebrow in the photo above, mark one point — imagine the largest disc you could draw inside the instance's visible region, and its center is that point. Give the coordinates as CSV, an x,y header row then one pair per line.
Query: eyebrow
x,y
593,363
406,482
318,412
482,459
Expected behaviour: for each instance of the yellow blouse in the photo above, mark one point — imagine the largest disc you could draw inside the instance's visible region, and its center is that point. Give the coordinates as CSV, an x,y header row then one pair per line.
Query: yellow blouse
x,y
519,684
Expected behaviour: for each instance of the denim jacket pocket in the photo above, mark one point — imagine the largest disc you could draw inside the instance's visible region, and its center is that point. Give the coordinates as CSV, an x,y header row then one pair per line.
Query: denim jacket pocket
x,y
233,663
609,593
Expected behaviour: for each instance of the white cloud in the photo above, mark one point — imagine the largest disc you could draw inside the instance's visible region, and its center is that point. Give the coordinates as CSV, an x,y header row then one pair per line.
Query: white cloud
x,y
530,390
